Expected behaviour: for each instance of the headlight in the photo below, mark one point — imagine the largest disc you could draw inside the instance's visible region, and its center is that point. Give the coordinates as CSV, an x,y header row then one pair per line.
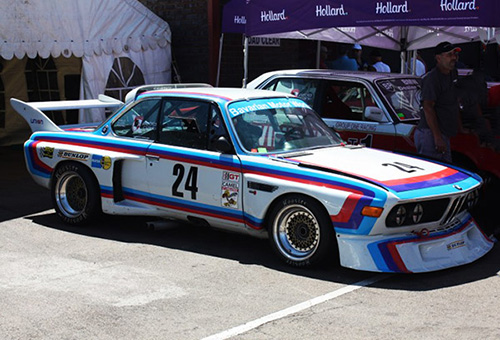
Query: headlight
x,y
400,215
417,212
472,199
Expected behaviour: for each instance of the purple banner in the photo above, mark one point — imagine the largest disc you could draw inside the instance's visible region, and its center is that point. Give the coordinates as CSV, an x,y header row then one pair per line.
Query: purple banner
x,y
233,16
276,16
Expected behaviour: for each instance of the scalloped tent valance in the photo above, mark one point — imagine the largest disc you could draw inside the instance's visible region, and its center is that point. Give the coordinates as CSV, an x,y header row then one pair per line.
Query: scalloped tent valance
x,y
79,28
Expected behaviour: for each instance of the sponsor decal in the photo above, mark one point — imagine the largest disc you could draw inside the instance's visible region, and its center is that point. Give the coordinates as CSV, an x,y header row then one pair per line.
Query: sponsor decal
x,y
230,176
348,29
47,152
390,8
230,189
263,41
457,5
355,126
136,126
243,107
101,162
36,121
266,16
455,245
329,11
73,155
230,193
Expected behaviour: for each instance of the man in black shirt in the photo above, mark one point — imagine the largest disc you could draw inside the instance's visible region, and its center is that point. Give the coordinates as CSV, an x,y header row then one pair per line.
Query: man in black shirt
x,y
440,119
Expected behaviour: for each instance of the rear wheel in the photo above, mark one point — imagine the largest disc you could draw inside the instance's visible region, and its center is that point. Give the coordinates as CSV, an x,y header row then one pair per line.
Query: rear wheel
x,y
301,231
75,194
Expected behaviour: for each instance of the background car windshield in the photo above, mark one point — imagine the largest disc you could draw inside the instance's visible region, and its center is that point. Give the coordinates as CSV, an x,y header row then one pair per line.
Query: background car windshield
x,y
278,125
403,94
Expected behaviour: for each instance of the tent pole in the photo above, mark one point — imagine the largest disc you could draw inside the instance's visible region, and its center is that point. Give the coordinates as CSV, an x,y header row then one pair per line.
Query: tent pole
x,y
403,62
245,62
318,53
414,62
220,58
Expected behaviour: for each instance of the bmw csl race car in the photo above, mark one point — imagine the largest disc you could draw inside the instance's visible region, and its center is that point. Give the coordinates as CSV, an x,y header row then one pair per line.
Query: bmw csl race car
x,y
264,163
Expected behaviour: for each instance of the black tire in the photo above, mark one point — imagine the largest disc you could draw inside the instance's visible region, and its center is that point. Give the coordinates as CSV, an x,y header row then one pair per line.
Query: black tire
x,y
301,232
75,194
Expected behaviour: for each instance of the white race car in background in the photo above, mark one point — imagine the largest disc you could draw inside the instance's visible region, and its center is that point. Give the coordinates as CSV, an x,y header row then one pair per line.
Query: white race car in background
x,y
264,163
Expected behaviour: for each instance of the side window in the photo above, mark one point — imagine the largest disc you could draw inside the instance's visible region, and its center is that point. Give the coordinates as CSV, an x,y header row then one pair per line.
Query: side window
x,y
305,89
345,100
140,121
184,123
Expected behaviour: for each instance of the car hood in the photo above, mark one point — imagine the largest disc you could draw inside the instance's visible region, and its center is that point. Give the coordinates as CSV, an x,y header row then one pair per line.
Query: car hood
x,y
394,172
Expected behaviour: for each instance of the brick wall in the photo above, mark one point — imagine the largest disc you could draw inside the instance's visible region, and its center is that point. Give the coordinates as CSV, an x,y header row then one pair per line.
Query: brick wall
x,y
189,25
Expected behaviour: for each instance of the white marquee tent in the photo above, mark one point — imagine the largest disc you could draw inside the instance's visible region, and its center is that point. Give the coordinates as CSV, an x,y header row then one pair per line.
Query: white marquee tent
x,y
94,32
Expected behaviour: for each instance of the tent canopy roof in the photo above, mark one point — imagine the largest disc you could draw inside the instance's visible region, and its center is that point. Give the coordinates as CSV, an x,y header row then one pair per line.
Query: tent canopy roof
x,y
396,24
78,27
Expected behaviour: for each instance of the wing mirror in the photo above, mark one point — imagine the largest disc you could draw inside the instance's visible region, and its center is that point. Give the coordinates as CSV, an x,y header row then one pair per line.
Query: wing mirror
x,y
222,145
375,114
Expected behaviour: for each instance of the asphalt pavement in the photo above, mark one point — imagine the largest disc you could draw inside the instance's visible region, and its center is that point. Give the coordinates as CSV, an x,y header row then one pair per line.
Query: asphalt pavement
x,y
119,279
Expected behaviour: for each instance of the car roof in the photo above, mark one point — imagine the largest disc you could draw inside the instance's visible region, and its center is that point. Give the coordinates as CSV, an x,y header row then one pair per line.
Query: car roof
x,y
326,73
219,93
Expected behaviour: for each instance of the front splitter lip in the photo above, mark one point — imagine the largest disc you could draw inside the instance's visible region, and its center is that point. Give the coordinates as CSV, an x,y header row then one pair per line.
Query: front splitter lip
x,y
411,253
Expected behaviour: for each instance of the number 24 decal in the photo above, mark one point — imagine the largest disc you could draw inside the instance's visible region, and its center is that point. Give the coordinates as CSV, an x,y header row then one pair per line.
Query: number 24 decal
x,y
191,183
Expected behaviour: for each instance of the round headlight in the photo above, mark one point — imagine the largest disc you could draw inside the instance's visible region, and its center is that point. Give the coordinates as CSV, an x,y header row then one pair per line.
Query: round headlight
x,y
417,213
472,199
400,215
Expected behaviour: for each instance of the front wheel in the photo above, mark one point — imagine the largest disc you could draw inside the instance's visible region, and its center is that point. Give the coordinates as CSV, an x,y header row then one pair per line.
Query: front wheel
x,y
301,231
75,194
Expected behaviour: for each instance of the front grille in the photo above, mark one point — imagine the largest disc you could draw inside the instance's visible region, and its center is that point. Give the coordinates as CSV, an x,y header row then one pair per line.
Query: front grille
x,y
458,205
442,211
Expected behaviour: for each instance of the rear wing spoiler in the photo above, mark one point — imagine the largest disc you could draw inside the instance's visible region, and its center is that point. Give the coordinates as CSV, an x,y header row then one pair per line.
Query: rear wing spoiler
x,y
38,121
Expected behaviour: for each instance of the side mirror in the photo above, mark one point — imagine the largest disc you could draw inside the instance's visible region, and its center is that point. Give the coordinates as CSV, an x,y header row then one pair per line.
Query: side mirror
x,y
375,114
222,145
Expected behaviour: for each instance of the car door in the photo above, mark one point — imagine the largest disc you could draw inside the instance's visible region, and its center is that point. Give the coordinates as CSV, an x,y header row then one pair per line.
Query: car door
x,y
187,177
136,130
343,106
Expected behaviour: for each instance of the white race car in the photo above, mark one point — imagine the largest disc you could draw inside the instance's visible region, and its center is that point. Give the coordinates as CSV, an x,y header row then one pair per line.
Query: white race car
x,y
259,162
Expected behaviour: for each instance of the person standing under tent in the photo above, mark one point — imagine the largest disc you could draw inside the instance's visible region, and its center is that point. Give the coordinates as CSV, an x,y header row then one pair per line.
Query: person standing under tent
x,y
377,64
440,119
356,54
420,67
343,62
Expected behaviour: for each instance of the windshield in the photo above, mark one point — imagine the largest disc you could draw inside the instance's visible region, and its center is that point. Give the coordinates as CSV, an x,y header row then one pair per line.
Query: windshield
x,y
279,125
403,94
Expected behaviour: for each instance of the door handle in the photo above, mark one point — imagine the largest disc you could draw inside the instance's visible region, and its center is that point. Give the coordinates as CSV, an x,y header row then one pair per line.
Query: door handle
x,y
153,158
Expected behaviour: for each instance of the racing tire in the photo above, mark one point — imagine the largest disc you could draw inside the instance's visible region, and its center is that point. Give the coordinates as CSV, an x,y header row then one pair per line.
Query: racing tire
x,y
301,231
75,194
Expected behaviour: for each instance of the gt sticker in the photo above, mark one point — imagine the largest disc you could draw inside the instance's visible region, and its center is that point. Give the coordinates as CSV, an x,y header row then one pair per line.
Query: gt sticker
x,y
79,156
230,176
101,162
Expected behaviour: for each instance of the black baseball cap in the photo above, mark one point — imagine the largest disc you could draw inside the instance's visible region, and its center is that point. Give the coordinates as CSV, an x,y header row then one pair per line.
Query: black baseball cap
x,y
445,47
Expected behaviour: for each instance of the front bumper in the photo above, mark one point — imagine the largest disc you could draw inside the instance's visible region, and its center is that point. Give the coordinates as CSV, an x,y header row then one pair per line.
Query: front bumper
x,y
410,253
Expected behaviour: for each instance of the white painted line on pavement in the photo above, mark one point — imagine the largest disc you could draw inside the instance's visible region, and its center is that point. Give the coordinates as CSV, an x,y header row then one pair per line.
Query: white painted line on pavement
x,y
294,309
